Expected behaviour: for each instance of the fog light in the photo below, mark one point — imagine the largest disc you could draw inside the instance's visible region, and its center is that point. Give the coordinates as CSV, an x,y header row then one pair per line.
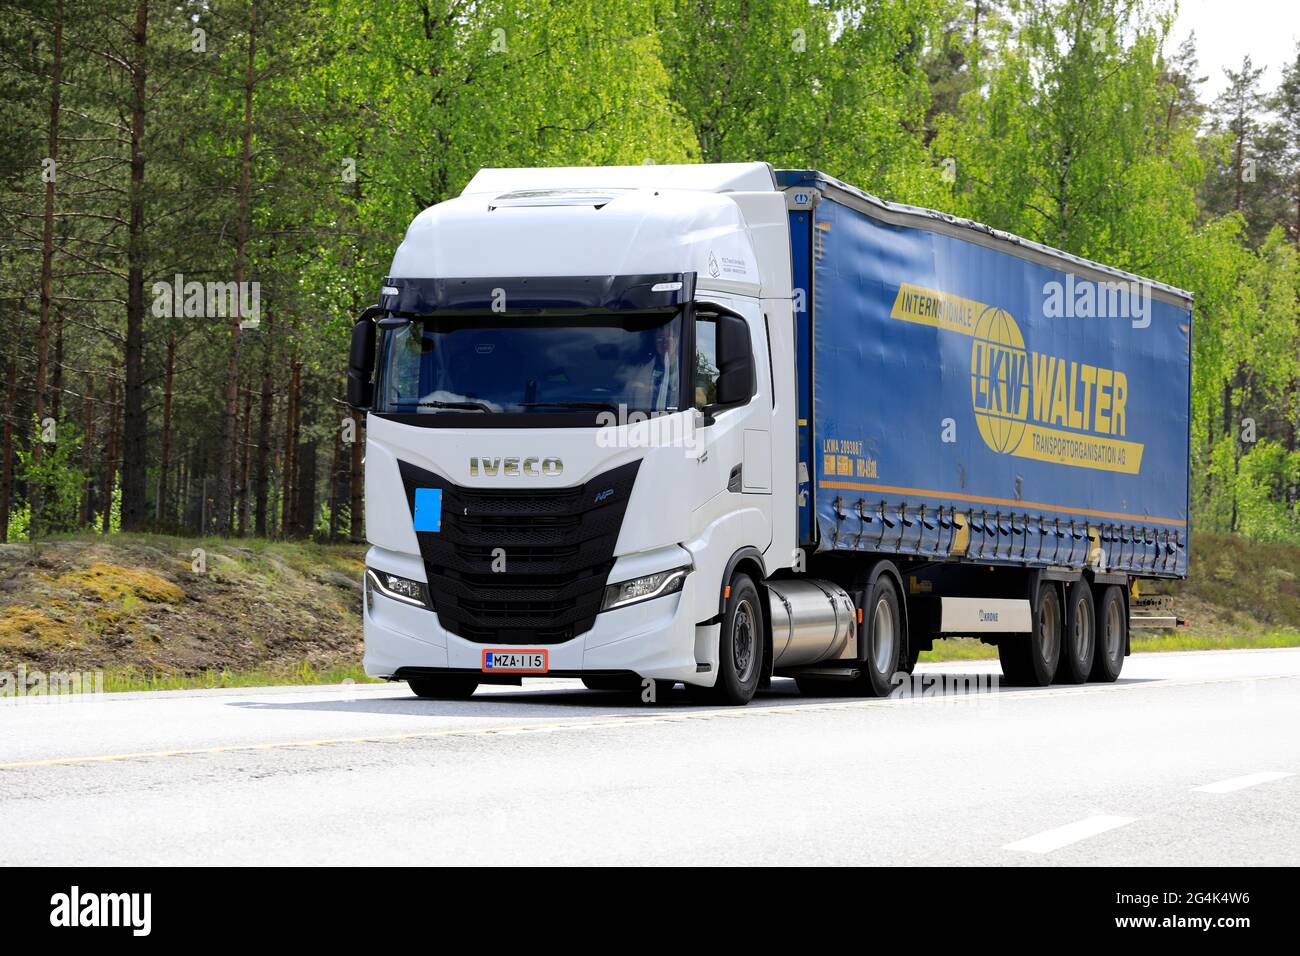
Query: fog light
x,y
399,588
644,588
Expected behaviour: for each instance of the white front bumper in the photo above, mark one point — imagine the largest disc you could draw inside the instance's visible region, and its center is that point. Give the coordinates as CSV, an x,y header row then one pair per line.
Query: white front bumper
x,y
653,639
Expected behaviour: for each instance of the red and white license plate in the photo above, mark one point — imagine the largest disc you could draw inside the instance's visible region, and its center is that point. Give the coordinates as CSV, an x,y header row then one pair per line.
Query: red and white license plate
x,y
498,660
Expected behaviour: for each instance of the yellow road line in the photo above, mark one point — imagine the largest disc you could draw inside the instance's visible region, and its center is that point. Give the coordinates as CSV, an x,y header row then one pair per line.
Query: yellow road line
x,y
778,710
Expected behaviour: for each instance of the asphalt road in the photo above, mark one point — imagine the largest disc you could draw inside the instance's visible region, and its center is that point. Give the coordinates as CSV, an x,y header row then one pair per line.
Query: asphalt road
x,y
1192,758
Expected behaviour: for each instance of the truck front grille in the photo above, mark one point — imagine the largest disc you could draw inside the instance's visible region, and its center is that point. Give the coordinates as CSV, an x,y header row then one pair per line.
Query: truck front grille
x,y
554,548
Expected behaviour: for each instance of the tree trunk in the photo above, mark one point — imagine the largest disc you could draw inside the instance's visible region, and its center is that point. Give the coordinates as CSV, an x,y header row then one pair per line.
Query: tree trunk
x,y
183,493
110,453
135,423
304,508
228,479
263,454
226,474
288,518
87,442
245,456
56,369
334,483
7,466
165,458
47,266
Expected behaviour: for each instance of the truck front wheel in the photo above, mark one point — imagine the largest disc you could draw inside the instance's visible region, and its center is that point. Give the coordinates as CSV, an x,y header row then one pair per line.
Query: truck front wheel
x,y
740,647
1030,660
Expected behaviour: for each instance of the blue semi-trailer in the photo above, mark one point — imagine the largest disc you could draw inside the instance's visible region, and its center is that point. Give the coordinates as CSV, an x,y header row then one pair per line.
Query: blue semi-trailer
x,y
711,424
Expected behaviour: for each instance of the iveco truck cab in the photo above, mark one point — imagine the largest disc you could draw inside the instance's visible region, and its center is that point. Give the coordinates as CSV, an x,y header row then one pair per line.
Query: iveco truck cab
x,y
576,428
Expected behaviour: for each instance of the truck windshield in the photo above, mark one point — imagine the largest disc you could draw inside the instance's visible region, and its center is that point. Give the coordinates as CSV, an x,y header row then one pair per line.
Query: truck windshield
x,y
477,365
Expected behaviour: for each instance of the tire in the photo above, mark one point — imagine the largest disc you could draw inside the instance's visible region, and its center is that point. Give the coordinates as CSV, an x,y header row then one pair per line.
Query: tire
x,y
448,687
883,639
1032,662
740,648
1079,639
1112,635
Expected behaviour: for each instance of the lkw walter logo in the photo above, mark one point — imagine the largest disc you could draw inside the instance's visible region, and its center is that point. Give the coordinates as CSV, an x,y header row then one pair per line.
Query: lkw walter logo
x,y
1029,404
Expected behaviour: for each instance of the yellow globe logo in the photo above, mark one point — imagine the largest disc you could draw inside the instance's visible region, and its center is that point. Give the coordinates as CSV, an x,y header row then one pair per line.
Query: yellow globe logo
x,y
999,380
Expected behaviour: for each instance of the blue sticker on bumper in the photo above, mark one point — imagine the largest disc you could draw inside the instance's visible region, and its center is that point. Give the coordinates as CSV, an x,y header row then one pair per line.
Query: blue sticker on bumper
x,y
428,509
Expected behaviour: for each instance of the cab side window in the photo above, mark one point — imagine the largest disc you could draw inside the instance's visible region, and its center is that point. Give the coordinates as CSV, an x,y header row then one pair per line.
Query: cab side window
x,y
706,361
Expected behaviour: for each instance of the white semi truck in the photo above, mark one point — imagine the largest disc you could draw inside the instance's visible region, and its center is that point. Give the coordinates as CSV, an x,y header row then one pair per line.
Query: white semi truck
x,y
710,424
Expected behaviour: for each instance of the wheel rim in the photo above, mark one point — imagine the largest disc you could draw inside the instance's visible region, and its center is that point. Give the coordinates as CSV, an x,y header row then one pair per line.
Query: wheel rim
x,y
1047,629
1082,633
742,642
1113,626
882,631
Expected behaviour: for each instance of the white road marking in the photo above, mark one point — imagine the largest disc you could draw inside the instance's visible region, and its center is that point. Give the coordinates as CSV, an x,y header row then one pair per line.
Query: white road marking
x,y
1050,840
1241,783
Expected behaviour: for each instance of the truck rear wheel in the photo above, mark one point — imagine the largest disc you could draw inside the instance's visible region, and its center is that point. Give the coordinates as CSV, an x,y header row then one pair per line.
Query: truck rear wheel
x,y
1080,635
883,638
448,687
1112,636
1030,660
740,647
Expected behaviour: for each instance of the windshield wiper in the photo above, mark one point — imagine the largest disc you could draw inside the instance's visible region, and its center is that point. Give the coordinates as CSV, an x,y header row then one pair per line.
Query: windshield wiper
x,y
559,404
470,406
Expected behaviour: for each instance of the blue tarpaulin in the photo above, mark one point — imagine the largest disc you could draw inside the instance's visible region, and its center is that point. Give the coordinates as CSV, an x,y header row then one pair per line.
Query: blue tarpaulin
x,y
964,393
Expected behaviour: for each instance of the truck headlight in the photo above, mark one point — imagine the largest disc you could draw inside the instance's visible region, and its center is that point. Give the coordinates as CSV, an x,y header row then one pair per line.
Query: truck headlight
x,y
644,588
399,588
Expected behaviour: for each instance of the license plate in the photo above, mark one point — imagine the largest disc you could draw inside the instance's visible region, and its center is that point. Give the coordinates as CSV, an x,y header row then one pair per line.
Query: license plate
x,y
498,661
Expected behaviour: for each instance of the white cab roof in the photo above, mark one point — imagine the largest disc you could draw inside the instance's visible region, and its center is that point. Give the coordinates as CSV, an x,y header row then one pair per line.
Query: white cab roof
x,y
610,220
701,177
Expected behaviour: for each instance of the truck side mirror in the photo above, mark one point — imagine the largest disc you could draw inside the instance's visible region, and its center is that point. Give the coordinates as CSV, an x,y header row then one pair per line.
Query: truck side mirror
x,y
736,383
361,363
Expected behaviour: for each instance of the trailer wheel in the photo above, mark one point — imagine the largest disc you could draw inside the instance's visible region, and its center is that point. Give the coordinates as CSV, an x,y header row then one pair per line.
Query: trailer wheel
x,y
1080,635
1030,660
448,687
740,647
1112,636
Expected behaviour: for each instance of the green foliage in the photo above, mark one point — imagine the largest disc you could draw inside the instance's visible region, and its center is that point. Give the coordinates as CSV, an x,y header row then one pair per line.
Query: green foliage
x,y
59,478
20,523
1071,122
1265,477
